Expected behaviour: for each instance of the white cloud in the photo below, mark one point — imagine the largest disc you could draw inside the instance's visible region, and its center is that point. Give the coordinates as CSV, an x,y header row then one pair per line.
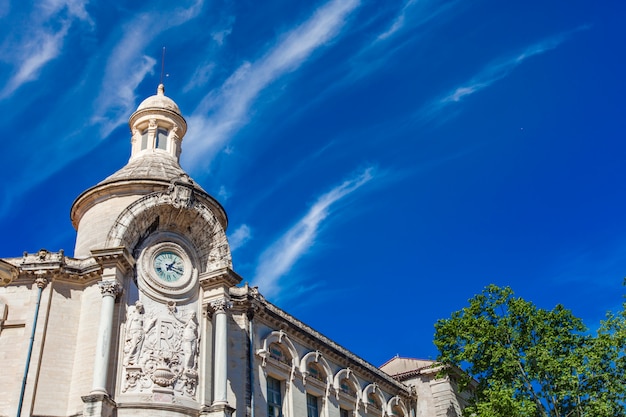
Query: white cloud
x,y
40,50
223,193
239,237
223,112
398,22
494,72
280,257
126,66
200,77
75,8
220,35
39,44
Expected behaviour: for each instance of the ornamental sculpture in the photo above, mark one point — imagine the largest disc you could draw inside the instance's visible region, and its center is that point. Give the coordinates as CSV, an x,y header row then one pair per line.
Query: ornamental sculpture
x,y
161,350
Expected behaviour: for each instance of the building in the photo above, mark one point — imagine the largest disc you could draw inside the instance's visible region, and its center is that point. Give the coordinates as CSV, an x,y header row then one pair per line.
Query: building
x,y
149,318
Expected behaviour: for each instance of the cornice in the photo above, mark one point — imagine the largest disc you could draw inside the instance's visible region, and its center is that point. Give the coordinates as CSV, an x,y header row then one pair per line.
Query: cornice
x,y
221,277
55,266
118,257
279,319
140,186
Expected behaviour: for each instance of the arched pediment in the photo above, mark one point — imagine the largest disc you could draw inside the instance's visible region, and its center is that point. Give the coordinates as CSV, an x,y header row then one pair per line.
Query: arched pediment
x,y
317,358
373,393
348,376
396,403
280,338
8,272
176,210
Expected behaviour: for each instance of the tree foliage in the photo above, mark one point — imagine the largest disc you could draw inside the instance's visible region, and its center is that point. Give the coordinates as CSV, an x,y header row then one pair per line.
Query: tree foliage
x,y
526,361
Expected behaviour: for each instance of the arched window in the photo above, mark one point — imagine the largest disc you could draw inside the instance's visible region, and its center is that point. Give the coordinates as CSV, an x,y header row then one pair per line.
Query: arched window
x,y
396,411
347,387
277,352
373,400
396,407
315,372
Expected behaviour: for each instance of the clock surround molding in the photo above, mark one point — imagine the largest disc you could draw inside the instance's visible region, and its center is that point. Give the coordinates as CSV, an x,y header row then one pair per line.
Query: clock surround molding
x,y
148,280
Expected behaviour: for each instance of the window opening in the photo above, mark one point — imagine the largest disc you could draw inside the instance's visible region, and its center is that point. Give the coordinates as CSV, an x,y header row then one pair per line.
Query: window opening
x,y
161,139
274,398
312,406
277,353
373,400
314,371
346,386
144,139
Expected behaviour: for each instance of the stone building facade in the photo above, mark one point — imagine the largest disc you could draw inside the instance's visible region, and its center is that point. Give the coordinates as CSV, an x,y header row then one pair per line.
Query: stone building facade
x,y
148,317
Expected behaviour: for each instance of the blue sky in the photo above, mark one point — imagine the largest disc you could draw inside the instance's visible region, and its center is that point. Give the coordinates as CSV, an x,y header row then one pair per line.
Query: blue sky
x,y
380,161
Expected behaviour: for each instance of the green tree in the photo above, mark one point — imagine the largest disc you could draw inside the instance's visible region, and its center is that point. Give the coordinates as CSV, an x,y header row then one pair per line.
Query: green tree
x,y
521,360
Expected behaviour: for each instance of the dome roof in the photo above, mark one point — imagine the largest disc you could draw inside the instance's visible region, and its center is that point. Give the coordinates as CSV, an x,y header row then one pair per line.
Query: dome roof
x,y
159,101
156,166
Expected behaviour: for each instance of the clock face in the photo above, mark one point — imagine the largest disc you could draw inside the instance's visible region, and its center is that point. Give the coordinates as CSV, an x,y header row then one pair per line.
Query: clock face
x,y
169,266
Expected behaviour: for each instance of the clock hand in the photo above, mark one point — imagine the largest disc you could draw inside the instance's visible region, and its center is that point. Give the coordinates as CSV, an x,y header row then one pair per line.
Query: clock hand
x,y
175,269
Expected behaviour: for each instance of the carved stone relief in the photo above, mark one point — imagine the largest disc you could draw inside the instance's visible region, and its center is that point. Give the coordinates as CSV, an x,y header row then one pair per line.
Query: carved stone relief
x,y
160,351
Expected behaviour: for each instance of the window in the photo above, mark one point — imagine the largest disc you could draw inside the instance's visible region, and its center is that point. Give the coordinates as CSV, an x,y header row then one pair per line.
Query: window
x,y
312,406
344,413
314,371
277,353
373,400
397,411
144,139
161,139
347,387
274,398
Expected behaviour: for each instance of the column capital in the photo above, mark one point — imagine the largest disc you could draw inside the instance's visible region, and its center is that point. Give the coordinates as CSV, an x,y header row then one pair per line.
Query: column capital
x,y
218,306
41,281
110,288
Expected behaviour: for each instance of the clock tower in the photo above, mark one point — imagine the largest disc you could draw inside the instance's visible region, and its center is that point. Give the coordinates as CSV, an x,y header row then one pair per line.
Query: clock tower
x,y
160,240
147,318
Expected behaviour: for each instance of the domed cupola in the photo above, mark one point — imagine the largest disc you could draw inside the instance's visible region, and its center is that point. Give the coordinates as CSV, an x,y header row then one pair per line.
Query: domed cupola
x,y
153,173
157,125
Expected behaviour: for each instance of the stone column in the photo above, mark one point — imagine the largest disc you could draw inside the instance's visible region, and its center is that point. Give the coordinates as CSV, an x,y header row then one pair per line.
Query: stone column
x,y
216,286
109,290
220,378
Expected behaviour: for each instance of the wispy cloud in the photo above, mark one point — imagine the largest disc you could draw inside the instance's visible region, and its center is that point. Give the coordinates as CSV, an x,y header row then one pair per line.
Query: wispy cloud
x,y
200,77
494,72
126,66
225,111
398,22
280,257
41,42
118,69
239,237
377,53
220,34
